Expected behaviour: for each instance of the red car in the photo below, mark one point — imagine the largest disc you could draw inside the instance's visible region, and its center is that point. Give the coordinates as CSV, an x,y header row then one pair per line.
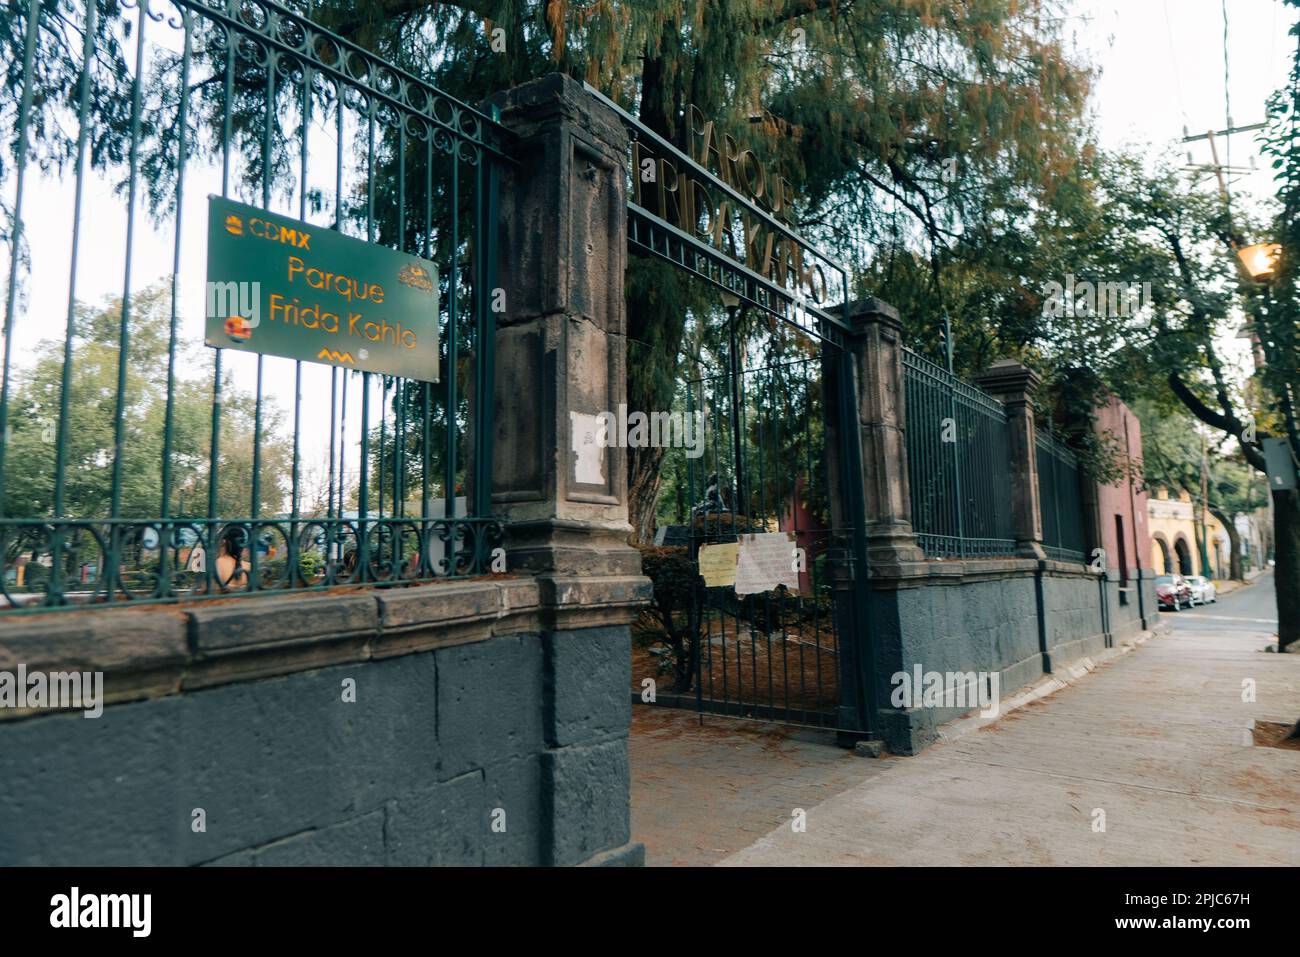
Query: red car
x,y
1173,592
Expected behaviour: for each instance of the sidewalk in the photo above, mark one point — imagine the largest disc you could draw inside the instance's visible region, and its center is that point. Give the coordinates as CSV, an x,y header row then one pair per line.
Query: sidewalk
x,y
701,792
1154,745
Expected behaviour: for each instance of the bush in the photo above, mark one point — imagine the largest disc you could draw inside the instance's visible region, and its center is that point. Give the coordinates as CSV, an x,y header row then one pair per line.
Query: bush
x,y
674,607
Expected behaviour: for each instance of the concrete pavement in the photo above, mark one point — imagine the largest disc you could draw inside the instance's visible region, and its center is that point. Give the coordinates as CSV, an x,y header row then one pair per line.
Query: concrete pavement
x,y
1147,760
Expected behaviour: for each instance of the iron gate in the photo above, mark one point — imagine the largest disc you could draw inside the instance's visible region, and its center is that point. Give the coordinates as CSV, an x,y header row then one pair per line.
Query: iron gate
x,y
773,654
113,486
775,461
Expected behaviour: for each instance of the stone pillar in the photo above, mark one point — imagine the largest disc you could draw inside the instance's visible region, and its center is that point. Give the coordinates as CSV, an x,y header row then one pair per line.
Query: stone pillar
x,y
1015,385
561,346
876,344
561,361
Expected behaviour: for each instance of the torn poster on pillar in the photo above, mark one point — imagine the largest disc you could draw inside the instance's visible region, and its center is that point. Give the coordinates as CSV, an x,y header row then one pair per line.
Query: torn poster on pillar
x,y
588,449
765,561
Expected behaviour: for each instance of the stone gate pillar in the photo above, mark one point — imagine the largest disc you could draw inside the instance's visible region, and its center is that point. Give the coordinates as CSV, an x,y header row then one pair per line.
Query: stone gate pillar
x,y
1015,385
561,361
876,345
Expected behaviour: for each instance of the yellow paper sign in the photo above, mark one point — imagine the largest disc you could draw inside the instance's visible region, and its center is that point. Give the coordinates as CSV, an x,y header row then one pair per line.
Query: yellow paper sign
x,y
718,564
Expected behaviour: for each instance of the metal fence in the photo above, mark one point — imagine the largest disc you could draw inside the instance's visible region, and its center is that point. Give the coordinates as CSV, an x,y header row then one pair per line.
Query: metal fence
x,y
957,454
763,469
1058,498
138,466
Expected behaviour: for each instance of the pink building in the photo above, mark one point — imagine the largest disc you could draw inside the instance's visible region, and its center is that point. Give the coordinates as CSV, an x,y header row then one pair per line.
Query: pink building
x,y
1122,507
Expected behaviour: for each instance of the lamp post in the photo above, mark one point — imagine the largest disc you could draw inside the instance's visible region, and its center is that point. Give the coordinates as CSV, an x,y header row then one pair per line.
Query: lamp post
x,y
1261,261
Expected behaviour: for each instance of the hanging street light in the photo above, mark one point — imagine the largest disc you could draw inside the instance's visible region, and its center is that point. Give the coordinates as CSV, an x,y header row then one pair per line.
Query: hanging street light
x,y
1260,260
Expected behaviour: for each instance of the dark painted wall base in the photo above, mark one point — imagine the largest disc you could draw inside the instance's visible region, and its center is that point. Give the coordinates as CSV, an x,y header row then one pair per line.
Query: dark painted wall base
x,y
469,754
1016,620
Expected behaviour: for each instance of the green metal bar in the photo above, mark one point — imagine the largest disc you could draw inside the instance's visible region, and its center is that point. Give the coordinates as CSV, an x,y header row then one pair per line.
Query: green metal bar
x,y
363,493
124,340
182,156
227,135
426,387
55,593
383,416
399,413
453,349
489,178
65,388
16,233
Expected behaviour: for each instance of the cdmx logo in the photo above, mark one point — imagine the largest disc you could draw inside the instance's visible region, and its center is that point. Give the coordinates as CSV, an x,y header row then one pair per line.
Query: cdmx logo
x,y
239,304
273,232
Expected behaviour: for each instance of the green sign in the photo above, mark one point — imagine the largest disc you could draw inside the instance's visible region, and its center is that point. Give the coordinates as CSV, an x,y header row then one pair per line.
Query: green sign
x,y
283,287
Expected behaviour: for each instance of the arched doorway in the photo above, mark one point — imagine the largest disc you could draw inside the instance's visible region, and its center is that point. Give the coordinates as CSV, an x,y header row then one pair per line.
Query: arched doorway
x,y
1184,553
1161,556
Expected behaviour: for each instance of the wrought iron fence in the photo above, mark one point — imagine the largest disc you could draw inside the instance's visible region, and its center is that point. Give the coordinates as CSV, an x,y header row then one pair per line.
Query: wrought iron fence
x,y
958,464
1058,497
137,466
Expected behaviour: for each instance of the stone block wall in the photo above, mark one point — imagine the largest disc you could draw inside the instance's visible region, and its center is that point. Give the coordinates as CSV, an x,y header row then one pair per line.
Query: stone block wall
x,y
1018,619
479,739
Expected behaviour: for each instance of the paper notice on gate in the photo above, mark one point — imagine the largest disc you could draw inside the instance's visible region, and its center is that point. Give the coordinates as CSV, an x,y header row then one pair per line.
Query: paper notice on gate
x,y
765,561
718,564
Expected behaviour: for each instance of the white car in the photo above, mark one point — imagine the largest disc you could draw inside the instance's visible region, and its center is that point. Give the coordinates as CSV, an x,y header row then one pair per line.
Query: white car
x,y
1203,591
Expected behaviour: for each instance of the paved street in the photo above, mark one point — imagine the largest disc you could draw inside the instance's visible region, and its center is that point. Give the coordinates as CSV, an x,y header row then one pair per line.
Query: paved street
x,y
1146,760
1248,611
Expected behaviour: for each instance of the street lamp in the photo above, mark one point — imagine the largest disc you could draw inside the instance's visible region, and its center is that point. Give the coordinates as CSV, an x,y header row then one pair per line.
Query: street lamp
x,y
1260,260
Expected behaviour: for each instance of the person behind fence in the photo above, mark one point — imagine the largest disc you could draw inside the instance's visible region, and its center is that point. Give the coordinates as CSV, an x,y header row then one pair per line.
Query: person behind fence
x,y
231,570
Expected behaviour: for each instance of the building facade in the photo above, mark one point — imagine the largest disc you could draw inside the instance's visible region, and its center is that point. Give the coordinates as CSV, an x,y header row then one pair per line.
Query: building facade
x,y
1175,537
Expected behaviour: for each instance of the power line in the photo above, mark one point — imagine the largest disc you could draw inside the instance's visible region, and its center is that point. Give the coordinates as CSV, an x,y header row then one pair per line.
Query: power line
x,y
1173,54
1227,105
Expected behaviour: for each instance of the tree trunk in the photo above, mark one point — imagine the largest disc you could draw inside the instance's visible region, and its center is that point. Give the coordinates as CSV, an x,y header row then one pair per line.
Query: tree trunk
x,y
1286,571
645,476
1234,546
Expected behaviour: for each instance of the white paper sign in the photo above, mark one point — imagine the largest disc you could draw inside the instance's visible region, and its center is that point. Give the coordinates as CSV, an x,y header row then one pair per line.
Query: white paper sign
x,y
589,450
766,560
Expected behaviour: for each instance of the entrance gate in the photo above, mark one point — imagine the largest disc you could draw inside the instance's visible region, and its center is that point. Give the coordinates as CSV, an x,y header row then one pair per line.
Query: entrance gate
x,y
775,460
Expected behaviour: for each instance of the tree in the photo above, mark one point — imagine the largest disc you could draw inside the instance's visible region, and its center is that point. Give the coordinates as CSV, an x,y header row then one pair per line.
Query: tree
x,y
1159,229
1172,456
1278,314
89,433
947,128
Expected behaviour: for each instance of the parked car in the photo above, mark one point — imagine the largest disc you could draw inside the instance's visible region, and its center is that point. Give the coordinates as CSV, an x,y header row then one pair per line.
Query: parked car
x,y
1173,592
1203,590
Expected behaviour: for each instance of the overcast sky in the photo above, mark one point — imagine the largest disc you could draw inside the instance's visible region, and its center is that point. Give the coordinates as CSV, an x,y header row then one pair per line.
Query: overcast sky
x,y
1162,65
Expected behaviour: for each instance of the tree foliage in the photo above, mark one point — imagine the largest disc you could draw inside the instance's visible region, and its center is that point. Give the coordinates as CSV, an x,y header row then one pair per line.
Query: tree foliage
x,y
89,437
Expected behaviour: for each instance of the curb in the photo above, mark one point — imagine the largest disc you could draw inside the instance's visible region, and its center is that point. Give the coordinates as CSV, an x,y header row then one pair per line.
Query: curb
x,y
1063,677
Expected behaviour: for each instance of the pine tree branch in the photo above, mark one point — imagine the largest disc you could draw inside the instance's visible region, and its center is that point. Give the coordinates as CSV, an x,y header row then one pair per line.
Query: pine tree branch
x,y
794,9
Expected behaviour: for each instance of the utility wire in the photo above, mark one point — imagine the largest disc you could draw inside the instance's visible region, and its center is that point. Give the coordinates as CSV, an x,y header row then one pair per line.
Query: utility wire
x,y
1173,55
1227,109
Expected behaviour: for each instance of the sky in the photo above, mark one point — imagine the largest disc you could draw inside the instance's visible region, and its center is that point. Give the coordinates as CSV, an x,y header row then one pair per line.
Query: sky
x,y
1162,65
1162,69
